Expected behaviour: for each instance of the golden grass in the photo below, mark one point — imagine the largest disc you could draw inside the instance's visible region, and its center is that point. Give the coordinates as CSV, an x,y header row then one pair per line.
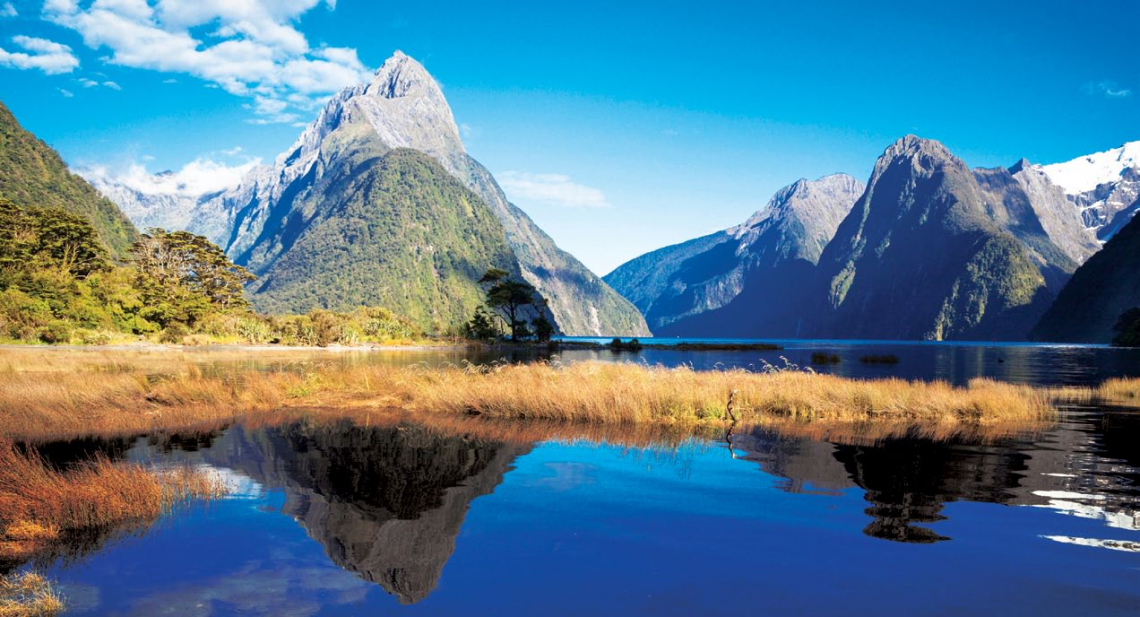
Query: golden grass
x,y
28,594
50,405
39,504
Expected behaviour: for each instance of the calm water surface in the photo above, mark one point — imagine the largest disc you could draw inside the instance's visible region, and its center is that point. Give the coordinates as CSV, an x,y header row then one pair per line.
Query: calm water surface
x,y
954,362
335,519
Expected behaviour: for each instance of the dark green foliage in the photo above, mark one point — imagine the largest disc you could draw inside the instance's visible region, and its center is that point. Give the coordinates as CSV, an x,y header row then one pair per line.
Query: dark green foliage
x,y
879,359
33,174
379,227
482,326
184,277
821,358
619,345
1127,329
543,329
513,301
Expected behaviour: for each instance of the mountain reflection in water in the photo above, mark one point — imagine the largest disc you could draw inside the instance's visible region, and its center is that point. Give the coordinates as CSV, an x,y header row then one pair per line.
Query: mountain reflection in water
x,y
385,503
390,505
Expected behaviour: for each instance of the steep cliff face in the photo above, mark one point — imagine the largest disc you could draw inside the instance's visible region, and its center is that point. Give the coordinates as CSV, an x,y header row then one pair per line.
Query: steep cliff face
x,y
32,174
1100,290
747,280
402,108
928,252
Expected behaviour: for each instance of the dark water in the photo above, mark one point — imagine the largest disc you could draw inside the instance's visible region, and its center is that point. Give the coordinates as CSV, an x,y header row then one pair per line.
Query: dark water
x,y
954,362
335,519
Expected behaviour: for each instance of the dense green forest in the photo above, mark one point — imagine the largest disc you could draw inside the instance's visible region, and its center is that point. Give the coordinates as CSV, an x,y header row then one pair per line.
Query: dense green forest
x,y
33,174
60,284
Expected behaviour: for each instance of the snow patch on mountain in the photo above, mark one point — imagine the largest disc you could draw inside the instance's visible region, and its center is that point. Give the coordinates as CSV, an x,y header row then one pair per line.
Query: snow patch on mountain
x,y
1086,173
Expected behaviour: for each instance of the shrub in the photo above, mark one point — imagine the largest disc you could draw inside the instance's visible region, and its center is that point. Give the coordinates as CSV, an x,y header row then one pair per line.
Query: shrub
x,y
824,358
881,359
56,332
173,333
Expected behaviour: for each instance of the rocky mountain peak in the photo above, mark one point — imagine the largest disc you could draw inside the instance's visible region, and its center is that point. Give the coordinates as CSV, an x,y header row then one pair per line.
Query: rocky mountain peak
x,y
401,76
916,152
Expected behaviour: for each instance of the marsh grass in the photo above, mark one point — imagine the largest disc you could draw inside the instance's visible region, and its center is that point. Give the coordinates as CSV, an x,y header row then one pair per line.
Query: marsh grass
x,y
28,594
41,505
56,403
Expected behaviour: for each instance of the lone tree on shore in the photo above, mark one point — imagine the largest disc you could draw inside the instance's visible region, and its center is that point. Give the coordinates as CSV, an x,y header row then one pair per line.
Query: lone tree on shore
x,y
516,304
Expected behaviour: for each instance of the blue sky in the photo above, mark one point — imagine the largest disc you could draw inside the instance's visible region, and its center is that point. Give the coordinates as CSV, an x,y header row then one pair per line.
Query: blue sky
x,y
620,127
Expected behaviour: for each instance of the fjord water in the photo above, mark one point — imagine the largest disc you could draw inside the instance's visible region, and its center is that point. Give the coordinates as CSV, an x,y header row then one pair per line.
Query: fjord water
x,y
341,519
954,362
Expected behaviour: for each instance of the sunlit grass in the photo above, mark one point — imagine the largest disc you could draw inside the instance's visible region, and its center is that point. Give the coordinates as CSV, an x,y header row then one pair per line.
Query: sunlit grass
x,y
39,504
52,404
28,594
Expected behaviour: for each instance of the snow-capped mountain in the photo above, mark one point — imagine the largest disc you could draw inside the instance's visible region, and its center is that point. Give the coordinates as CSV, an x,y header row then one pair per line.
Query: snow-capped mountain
x,y
1105,187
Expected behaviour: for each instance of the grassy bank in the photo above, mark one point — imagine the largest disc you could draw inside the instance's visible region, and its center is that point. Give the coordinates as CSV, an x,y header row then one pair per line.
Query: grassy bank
x,y
41,505
126,399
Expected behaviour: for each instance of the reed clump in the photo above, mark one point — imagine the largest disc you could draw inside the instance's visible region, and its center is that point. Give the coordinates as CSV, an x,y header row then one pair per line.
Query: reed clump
x,y
28,594
40,505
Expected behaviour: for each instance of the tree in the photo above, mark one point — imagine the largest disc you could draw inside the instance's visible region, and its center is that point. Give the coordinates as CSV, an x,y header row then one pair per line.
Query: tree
x,y
510,300
183,258
185,276
1127,328
481,327
49,238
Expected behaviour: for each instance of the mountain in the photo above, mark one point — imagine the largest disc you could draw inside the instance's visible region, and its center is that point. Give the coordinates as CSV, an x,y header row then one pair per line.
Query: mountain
x,y
1099,291
744,281
935,251
33,174
264,222
381,227
1105,187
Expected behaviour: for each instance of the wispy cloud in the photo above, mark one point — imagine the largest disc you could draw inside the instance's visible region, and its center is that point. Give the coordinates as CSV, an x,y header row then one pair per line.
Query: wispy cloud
x,y
8,10
253,48
552,189
1108,89
39,54
201,176
66,93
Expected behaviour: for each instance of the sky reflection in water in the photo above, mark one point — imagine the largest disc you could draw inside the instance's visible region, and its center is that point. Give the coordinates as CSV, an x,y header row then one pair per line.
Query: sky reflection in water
x,y
340,520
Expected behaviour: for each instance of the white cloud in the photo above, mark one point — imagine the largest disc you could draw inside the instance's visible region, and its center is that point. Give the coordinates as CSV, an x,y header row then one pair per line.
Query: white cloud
x,y
199,177
1108,89
47,56
554,189
91,83
66,93
170,81
250,48
7,10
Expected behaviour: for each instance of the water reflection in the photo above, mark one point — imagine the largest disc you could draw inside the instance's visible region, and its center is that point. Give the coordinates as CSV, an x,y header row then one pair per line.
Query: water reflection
x,y
383,506
1086,466
385,503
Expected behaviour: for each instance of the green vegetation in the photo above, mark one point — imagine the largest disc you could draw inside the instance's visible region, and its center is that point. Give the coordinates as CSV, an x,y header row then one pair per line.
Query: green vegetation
x,y
1127,328
33,174
631,345
380,228
59,285
511,305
